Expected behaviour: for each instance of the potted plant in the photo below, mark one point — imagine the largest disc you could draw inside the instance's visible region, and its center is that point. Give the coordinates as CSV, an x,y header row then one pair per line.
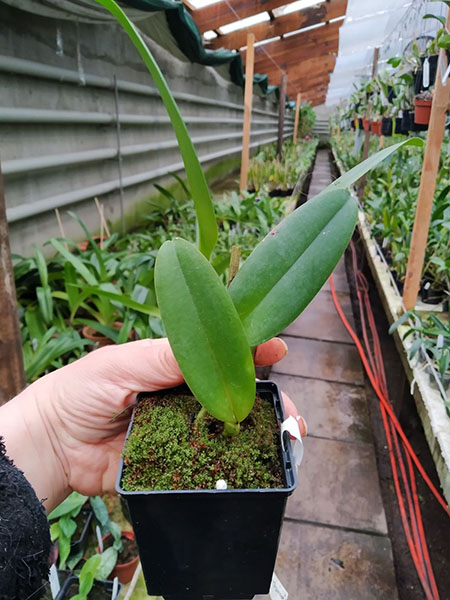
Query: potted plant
x,y
70,525
90,584
422,106
121,545
210,484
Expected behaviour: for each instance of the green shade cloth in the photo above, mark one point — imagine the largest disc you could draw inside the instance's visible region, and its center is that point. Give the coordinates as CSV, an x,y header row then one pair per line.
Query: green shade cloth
x,y
189,40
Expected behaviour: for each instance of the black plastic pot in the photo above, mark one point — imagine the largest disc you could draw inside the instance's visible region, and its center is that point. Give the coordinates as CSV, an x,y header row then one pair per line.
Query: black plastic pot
x,y
418,75
215,544
80,544
106,586
431,296
386,126
407,121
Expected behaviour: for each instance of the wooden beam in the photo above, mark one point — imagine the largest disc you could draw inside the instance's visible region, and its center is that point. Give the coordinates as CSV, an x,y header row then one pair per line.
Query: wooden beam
x,y
222,13
303,69
302,44
284,24
435,136
248,99
12,376
282,110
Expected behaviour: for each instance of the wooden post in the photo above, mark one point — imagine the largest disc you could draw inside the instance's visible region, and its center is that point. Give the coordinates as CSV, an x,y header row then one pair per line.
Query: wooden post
x,y
297,113
365,154
281,112
248,99
441,97
12,376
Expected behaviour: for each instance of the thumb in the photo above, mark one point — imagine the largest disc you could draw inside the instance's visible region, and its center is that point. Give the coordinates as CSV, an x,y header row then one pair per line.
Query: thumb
x,y
142,366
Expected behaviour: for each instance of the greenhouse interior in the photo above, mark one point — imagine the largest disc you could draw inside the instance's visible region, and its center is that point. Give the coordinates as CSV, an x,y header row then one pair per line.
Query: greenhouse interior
x,y
225,286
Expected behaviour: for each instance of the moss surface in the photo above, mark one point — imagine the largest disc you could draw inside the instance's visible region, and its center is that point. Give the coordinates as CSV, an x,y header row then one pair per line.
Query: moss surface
x,y
167,450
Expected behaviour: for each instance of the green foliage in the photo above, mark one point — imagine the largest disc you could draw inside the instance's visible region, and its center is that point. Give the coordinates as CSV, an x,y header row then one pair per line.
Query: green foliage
x,y
306,120
268,173
64,525
205,332
207,228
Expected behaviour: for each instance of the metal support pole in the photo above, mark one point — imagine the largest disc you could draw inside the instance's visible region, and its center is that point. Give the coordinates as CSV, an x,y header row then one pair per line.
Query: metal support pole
x,y
281,113
12,375
119,153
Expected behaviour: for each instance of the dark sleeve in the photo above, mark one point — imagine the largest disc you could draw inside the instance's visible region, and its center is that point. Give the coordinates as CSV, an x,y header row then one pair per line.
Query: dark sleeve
x,y
24,536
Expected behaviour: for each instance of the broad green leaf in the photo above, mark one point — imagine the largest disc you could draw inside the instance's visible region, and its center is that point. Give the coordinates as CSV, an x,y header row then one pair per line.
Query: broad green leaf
x,y
100,510
74,500
107,563
64,549
207,234
68,526
78,265
204,331
287,269
88,574
347,179
54,531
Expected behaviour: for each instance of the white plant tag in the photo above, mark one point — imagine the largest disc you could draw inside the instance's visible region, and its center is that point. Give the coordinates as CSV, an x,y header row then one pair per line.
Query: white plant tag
x,y
54,581
291,425
115,588
99,539
277,589
426,73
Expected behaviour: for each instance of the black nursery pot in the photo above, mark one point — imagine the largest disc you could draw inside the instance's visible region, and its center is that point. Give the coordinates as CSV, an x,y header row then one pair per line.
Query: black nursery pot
x,y
101,590
211,544
407,120
386,126
80,544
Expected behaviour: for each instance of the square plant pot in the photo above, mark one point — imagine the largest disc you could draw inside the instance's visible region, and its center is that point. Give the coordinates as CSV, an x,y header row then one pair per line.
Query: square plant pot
x,y
212,544
102,590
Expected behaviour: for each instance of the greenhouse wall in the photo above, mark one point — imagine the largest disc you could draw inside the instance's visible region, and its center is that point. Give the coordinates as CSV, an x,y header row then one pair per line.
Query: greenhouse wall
x,y
80,118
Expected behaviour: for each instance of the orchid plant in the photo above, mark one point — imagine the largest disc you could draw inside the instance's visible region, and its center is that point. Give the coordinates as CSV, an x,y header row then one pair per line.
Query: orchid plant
x,y
213,329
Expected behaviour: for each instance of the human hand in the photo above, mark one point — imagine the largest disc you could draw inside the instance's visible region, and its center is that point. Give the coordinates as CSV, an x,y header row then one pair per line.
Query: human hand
x,y
61,430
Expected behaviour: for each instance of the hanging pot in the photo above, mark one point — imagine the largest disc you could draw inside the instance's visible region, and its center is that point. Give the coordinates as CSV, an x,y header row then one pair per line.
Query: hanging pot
x,y
422,111
366,124
386,126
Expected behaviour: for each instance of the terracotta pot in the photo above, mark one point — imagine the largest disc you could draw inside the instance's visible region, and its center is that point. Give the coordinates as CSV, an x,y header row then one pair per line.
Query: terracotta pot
x,y
83,246
422,111
375,127
366,124
91,334
124,572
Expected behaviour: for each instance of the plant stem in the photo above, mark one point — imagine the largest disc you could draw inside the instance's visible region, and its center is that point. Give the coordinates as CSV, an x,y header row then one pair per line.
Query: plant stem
x,y
231,428
201,415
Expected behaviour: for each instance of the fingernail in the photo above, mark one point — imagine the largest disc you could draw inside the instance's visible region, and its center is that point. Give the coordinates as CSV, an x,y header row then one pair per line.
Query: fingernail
x,y
302,426
286,349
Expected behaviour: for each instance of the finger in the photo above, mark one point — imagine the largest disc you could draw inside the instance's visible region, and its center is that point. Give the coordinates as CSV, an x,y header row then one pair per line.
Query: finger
x,y
270,352
291,411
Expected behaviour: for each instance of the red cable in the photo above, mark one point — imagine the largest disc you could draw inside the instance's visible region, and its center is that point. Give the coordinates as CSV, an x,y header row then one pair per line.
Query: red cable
x,y
375,371
389,410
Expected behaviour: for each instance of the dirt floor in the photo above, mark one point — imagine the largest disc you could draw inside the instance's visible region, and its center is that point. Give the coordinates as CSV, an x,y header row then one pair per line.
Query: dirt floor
x,y
436,522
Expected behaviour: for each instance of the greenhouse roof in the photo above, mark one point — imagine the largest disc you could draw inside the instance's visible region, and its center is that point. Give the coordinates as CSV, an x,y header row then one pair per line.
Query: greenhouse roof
x,y
390,25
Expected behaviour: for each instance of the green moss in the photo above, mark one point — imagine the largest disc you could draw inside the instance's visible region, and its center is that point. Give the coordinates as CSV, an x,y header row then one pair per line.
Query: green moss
x,y
166,449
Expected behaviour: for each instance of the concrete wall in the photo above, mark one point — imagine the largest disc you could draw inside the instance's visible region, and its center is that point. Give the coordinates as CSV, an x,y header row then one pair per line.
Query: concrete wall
x,y
63,118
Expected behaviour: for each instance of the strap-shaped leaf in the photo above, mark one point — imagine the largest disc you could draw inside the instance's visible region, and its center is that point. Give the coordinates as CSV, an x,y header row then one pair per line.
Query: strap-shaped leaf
x,y
347,179
288,268
204,331
207,226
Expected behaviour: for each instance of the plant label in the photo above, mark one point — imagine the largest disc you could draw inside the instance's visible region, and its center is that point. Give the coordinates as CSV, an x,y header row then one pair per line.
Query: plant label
x,y
277,589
